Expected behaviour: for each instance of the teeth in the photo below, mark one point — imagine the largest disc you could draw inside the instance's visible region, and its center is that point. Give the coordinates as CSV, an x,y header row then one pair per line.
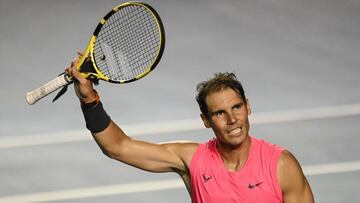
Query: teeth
x,y
235,131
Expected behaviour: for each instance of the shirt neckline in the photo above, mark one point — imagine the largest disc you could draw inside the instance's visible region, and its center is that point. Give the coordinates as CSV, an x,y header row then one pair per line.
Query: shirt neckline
x,y
217,153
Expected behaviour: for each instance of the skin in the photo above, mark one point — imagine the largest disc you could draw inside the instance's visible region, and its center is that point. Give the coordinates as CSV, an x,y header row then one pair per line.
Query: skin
x,y
228,118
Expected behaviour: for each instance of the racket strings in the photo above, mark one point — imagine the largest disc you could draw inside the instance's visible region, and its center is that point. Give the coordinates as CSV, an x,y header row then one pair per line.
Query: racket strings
x,y
136,71
128,43
144,56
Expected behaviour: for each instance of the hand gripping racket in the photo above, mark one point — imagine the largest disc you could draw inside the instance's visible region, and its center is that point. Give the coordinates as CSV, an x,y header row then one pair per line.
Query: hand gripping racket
x,y
126,45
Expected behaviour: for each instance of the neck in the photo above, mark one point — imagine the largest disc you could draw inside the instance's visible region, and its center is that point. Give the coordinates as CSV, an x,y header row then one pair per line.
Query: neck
x,y
234,157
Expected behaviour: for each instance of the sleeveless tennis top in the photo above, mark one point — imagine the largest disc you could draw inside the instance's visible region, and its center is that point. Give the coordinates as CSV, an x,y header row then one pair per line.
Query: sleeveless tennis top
x,y
256,182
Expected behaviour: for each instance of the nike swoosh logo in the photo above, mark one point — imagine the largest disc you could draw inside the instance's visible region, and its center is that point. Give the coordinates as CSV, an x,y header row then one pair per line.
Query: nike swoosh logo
x,y
251,186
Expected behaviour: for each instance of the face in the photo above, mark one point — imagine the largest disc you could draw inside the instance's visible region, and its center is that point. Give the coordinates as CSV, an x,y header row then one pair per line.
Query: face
x,y
228,117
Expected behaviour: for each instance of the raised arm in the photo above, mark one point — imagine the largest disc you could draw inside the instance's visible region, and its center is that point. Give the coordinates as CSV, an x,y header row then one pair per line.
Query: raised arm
x,y
293,183
117,145
166,157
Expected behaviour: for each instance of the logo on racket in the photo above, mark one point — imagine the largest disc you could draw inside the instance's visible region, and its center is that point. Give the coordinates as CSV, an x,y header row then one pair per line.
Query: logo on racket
x,y
115,59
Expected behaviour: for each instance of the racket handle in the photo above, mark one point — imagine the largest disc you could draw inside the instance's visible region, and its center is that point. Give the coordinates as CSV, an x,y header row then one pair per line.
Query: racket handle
x,y
33,96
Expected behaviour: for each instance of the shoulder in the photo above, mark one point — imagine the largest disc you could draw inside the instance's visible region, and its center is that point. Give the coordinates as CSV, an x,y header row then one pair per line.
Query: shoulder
x,y
288,166
293,183
269,151
290,174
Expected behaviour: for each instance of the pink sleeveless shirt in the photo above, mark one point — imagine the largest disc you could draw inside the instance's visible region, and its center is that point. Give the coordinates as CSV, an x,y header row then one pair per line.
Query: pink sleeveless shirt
x,y
256,182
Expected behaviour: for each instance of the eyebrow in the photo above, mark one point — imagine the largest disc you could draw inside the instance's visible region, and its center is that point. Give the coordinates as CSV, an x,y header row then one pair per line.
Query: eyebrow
x,y
238,104
241,103
218,111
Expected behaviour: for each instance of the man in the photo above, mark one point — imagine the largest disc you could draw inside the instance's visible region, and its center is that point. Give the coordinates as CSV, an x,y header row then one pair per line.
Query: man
x,y
233,167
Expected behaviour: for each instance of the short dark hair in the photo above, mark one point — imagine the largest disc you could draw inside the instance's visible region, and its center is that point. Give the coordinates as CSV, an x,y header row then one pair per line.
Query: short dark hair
x,y
219,82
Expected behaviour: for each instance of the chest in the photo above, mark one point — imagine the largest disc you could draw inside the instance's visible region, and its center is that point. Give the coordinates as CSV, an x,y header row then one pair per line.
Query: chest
x,y
253,183
240,185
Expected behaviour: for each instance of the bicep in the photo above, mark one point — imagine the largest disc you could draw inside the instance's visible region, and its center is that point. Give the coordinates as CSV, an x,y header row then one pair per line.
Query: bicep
x,y
293,183
150,156
147,156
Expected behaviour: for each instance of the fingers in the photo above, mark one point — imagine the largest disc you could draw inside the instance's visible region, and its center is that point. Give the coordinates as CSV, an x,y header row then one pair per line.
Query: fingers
x,y
80,53
72,69
83,87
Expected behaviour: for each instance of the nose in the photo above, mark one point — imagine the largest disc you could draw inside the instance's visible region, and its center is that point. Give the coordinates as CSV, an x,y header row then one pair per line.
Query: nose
x,y
231,118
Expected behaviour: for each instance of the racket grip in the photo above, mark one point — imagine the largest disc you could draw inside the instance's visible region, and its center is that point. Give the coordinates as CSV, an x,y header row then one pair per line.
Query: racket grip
x,y
33,96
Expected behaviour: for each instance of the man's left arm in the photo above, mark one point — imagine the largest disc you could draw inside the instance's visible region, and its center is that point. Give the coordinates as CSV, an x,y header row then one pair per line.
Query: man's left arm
x,y
294,186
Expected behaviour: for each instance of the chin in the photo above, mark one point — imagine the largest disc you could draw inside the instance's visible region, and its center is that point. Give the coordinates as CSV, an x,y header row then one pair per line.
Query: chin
x,y
235,141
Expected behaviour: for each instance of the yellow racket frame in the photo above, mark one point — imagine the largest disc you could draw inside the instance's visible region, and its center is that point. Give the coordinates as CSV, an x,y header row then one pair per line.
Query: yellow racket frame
x,y
90,48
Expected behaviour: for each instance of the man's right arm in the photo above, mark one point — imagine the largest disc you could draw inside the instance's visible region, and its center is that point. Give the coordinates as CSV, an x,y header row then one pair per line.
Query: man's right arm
x,y
116,144
152,157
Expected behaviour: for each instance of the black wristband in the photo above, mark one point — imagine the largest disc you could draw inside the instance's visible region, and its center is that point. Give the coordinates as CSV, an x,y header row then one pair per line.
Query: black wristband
x,y
96,118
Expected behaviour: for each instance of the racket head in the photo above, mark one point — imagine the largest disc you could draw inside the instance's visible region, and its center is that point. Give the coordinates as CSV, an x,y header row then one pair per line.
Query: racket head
x,y
126,45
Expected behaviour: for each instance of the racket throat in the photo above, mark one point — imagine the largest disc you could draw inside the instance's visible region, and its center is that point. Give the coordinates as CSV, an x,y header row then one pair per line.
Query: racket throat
x,y
88,68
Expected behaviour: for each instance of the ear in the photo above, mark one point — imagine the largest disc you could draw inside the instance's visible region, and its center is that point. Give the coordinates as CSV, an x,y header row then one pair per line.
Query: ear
x,y
205,121
248,106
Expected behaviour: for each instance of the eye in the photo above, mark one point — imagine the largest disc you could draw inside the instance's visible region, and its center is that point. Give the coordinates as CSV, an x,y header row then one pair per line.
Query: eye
x,y
219,114
237,107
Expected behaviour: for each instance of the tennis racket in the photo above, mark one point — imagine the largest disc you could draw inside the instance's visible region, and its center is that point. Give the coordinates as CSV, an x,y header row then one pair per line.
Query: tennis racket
x,y
126,45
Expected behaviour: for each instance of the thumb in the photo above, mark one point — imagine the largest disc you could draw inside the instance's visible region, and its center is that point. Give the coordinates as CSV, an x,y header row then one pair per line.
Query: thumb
x,y
76,74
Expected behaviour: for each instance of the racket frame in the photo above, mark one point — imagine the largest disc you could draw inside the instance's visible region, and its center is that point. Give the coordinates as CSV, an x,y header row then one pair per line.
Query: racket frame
x,y
90,48
33,96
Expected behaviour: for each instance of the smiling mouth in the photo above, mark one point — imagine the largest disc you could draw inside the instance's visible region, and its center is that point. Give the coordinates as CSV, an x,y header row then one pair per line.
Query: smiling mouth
x,y
235,131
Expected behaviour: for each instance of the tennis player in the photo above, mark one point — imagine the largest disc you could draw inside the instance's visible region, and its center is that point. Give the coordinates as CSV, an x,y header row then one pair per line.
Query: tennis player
x,y
232,167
